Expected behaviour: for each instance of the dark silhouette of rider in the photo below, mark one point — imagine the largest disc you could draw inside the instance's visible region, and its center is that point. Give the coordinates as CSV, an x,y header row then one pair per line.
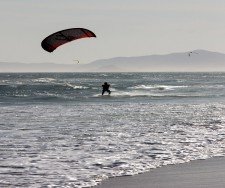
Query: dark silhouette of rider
x,y
105,87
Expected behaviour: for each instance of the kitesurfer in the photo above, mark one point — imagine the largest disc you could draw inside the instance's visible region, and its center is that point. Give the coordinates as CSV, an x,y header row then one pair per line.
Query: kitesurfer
x,y
105,87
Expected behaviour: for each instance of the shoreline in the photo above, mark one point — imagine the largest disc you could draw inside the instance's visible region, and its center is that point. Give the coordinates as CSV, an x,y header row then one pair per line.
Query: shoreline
x,y
206,173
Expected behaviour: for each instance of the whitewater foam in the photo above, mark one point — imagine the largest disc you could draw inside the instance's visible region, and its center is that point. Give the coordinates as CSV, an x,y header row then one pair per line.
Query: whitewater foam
x,y
91,143
43,80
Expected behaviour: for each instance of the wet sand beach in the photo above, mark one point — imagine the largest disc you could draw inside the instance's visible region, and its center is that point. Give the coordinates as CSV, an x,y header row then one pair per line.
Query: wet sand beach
x,y
195,174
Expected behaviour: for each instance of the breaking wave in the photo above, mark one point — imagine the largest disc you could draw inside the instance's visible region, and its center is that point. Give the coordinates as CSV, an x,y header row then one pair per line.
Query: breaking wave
x,y
159,87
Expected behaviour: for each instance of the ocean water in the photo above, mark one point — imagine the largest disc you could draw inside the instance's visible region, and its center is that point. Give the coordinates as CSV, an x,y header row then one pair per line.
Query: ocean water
x,y
56,130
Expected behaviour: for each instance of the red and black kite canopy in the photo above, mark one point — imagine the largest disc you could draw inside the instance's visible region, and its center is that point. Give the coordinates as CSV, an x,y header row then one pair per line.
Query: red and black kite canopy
x,y
59,38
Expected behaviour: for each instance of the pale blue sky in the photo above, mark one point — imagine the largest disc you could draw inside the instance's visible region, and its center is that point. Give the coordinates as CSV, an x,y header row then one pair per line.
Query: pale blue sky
x,y
123,28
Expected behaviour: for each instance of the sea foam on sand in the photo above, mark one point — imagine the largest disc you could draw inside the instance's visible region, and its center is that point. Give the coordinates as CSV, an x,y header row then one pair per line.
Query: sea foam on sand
x,y
196,174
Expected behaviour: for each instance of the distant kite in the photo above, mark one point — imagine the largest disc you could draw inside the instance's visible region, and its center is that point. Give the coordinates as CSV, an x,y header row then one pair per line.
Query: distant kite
x,y
59,38
189,54
77,61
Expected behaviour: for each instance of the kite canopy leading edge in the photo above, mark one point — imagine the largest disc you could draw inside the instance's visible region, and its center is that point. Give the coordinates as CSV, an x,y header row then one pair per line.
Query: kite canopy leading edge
x,y
59,38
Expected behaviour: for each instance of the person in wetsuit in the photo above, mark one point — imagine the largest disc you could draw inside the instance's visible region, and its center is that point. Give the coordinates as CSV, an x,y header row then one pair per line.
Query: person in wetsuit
x,y
105,87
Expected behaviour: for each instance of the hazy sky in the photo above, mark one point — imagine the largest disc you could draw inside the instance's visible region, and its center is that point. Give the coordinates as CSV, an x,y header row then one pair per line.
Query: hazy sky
x,y
123,28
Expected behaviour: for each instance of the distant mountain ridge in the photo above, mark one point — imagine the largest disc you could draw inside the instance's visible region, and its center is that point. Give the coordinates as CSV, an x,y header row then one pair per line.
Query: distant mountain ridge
x,y
191,61
197,61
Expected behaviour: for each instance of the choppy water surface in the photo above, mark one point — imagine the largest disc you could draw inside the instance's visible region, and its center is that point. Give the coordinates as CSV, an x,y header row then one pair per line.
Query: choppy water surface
x,y
57,131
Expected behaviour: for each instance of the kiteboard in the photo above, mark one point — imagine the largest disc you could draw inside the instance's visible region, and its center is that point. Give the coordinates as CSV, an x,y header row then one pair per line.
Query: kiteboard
x,y
106,96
